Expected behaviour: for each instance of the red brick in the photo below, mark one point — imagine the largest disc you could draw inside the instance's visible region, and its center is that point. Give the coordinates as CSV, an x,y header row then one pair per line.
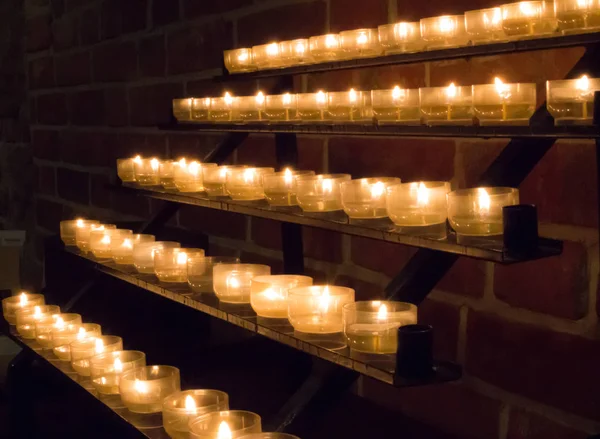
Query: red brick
x,y
445,319
37,33
45,144
405,76
198,48
115,62
89,27
555,185
266,233
322,244
152,56
41,73
89,148
73,69
194,8
99,193
213,222
46,180
380,256
121,17
528,425
48,214
409,159
64,31
284,23
52,109
258,150
131,205
466,277
164,12
254,258
117,111
151,105
475,156
556,285
451,408
555,368
73,185
362,290
345,15
87,107
130,144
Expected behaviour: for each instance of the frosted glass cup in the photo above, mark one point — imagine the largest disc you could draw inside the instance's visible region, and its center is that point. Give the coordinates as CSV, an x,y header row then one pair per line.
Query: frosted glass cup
x,y
82,351
125,170
146,172
200,271
447,105
182,109
528,19
106,369
320,193
571,101
365,198
269,294
12,304
82,234
484,25
577,15
68,229
26,318
170,264
246,183
326,48
317,309
121,247
143,254
401,37
181,407
397,105
226,424
280,187
360,43
144,389
232,282
504,104
239,60
215,179
444,31
418,204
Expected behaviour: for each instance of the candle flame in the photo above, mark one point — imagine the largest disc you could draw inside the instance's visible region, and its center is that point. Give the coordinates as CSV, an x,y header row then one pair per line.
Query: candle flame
x,y
422,195
228,99
79,223
224,431
23,300
181,258
377,189
382,314
362,39
190,404
300,48
243,56
99,348
81,333
287,99
483,200
118,365
137,159
288,176
528,9
451,91
140,386
249,175
352,96
60,323
194,168
260,98
446,24
37,312
582,84
502,88
273,49
321,99
127,244
401,30
331,41
233,282
105,240
495,20
103,381
223,171
182,162
327,186
154,164
585,4
271,294
398,94
324,300
95,227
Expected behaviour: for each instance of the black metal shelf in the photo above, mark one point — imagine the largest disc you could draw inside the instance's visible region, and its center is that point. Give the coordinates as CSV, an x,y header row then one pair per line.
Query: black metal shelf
x,y
497,48
370,129
485,249
329,348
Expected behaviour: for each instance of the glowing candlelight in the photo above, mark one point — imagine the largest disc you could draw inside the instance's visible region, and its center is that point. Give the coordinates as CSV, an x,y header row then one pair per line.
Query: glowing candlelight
x,y
503,91
382,313
377,190
331,41
228,99
118,365
288,177
224,431
190,405
446,24
327,185
583,85
483,201
273,49
23,300
99,346
362,39
249,175
182,258
81,334
451,94
422,193
140,386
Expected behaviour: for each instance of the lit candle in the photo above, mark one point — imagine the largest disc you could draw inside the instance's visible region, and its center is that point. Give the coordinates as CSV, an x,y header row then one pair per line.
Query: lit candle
x,y
447,105
325,47
317,309
189,176
269,294
281,107
26,318
221,109
143,389
583,86
444,31
201,109
372,327
504,103
69,228
106,369
346,106
239,60
528,18
232,282
146,171
143,254
312,106
83,350
215,179
166,173
320,193
575,15
45,326
400,37
366,197
267,56
251,108
246,183
295,52
181,407
12,304
170,264
63,336
200,271
82,234
122,247
280,187
484,25
101,240
360,43
571,101
418,204
125,169
182,109
397,105
225,425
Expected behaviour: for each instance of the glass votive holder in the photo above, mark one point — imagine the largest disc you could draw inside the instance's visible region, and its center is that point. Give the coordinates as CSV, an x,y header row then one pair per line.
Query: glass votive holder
x,y
528,19
166,173
181,407
82,234
397,105
12,304
478,211
143,389
146,172
45,327
232,282
312,107
418,204
444,31
506,104
121,247
280,187
26,318
269,294
143,254
69,227
360,43
101,241
347,106
106,369
63,337
320,193
317,309
281,107
365,198
267,56
372,326
447,105
125,170
189,176
401,37
239,60
246,183
82,351
201,109
295,52
325,48
170,264
221,109
182,109
231,424
577,15
269,436
250,108
571,101
200,271
484,25
215,179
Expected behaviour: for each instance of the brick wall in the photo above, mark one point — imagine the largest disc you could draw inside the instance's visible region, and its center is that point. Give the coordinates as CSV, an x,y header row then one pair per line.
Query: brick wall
x,y
101,75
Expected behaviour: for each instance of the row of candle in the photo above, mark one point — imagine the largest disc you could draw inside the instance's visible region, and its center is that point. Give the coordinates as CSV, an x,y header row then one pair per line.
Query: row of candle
x,y
113,371
471,212
569,101
524,19
314,309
